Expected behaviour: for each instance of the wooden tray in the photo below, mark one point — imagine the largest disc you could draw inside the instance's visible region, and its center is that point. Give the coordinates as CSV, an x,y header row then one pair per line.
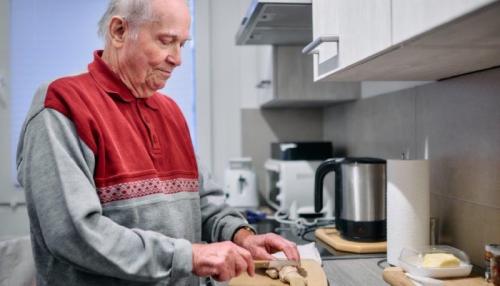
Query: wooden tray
x,y
331,237
395,276
315,277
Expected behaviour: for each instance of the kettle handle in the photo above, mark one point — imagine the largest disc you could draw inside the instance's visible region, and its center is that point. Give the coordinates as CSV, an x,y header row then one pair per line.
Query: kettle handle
x,y
322,170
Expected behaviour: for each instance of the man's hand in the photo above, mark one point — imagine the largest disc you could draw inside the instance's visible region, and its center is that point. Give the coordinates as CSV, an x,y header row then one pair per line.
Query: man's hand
x,y
262,246
222,261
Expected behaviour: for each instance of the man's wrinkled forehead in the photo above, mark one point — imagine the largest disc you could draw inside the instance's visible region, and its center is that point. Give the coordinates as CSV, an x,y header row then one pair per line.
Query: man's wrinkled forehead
x,y
171,8
165,30
172,18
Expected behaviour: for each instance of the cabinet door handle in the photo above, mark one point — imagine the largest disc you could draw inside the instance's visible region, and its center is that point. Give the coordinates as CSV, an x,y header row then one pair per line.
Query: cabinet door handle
x,y
13,204
263,84
310,48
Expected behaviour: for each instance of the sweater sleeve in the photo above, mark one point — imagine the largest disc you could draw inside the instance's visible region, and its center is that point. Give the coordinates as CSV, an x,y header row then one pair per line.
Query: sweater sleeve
x,y
220,221
56,168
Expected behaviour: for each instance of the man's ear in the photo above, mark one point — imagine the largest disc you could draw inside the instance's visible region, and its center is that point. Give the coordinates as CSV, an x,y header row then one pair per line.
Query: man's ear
x,y
118,29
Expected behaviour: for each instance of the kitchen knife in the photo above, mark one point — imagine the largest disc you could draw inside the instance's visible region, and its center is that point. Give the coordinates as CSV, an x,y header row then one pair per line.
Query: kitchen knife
x,y
278,263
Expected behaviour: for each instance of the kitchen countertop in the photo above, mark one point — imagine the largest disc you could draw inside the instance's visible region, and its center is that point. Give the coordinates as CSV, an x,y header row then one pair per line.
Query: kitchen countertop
x,y
349,271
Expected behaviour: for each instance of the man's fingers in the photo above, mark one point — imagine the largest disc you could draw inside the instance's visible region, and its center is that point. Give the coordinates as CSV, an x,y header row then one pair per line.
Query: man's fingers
x,y
241,265
224,269
292,252
263,254
247,257
289,248
222,261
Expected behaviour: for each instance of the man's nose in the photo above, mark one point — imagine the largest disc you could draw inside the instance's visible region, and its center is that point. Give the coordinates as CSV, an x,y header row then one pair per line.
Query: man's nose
x,y
174,57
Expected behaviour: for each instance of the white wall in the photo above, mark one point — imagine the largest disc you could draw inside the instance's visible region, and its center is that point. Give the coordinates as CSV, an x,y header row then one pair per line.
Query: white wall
x,y
226,77
13,221
203,81
4,79
373,88
453,123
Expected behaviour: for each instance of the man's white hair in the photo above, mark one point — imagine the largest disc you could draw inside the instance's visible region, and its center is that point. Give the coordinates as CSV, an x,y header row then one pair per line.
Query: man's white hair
x,y
135,12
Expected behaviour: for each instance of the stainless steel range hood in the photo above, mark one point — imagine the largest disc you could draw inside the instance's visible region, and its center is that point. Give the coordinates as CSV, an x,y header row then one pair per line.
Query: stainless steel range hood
x,y
276,22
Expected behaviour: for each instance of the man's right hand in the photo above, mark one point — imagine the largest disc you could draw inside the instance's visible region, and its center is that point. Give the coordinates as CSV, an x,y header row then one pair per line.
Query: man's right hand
x,y
222,260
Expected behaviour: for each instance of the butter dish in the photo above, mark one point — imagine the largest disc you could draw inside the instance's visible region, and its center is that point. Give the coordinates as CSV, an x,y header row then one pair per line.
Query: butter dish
x,y
411,260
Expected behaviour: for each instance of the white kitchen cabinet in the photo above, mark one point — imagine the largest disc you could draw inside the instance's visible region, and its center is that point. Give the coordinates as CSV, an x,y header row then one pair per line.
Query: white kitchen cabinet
x,y
327,51
411,18
325,19
265,86
286,80
426,39
362,27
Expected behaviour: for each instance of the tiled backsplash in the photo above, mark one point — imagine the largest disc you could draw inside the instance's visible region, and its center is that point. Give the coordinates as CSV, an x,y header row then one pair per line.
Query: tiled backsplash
x,y
456,125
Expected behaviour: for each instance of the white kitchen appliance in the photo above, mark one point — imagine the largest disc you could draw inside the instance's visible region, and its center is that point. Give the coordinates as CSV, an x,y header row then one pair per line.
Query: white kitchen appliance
x,y
240,184
290,177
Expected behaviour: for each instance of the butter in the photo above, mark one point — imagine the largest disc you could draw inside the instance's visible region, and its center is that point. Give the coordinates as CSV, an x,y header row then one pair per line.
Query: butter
x,y
440,260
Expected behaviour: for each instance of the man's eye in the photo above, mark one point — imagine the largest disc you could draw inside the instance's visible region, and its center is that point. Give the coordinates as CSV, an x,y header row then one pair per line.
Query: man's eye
x,y
166,41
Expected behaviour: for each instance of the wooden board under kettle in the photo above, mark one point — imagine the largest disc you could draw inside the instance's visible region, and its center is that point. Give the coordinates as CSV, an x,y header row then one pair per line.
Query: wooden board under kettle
x,y
331,237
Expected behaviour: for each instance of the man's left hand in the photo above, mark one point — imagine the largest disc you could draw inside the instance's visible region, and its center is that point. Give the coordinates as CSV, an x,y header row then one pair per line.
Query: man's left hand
x,y
262,246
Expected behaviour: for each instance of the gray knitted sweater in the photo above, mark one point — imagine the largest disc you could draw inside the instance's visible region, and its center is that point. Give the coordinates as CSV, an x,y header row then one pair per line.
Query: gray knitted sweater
x,y
103,216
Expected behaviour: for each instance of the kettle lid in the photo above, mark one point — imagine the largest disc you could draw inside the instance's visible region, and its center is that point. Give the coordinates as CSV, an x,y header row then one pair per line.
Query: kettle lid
x,y
362,160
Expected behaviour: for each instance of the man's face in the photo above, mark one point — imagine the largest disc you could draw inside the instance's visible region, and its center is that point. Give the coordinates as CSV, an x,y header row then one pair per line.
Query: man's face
x,y
149,60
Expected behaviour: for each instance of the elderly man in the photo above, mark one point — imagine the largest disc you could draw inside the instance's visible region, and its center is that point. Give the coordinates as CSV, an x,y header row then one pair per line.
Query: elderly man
x,y
112,184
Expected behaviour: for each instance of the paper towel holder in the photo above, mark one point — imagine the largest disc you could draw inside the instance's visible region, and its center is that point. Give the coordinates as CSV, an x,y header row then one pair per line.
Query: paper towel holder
x,y
405,155
434,231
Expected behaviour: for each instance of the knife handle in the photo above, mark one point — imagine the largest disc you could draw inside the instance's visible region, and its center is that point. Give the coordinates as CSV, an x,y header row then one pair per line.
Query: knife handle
x,y
261,264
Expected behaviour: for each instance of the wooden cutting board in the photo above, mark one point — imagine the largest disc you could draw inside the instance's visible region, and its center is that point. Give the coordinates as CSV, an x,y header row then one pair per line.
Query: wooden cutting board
x,y
315,277
331,237
395,276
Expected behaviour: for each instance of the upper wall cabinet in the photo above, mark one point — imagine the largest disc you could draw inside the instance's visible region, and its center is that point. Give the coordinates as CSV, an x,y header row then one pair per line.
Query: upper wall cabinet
x,y
358,40
285,80
365,28
412,18
348,31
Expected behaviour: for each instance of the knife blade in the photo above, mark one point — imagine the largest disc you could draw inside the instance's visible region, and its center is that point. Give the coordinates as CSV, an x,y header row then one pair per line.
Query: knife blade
x,y
278,263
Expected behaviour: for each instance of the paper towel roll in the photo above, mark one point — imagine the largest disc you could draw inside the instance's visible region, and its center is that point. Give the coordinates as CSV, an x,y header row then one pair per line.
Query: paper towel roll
x,y
407,206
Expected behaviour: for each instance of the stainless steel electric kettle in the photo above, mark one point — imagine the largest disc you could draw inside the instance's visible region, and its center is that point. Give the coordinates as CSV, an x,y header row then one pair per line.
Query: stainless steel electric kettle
x,y
360,196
